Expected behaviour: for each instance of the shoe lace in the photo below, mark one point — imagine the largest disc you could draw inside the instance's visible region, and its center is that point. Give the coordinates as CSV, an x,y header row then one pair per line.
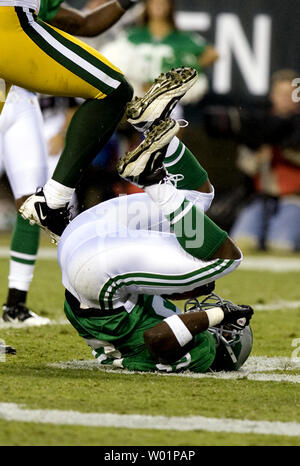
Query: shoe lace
x,y
182,123
172,179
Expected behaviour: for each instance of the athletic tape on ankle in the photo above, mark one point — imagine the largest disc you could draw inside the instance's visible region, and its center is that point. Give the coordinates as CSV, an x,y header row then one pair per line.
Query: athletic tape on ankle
x,y
215,316
181,332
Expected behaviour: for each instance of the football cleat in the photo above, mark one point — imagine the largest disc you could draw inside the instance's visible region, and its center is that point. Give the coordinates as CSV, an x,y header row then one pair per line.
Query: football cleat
x,y
144,165
21,315
159,101
5,349
53,221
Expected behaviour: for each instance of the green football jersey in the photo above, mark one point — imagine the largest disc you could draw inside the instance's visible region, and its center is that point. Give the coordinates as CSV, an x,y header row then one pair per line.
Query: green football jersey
x,y
179,48
49,9
119,339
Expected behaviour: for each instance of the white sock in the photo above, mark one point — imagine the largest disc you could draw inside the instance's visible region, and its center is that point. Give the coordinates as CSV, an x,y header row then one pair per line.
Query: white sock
x,y
215,316
57,195
172,147
20,275
166,196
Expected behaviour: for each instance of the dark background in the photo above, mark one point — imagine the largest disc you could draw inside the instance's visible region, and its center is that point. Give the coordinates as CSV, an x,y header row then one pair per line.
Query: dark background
x,y
285,38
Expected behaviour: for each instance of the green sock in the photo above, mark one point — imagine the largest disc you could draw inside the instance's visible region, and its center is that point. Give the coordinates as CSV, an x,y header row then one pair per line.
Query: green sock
x,y
195,231
25,238
180,160
91,127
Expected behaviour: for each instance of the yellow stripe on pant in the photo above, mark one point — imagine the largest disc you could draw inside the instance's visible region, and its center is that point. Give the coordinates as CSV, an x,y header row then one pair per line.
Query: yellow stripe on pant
x,y
50,61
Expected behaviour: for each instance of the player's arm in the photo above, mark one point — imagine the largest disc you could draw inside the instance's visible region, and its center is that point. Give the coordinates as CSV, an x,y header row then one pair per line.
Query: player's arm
x,y
170,340
93,23
208,57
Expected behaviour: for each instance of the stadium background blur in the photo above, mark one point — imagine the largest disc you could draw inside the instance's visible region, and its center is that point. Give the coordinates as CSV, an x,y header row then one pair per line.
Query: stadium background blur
x,y
252,43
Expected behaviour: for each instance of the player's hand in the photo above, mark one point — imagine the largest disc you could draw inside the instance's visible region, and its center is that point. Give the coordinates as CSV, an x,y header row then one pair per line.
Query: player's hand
x,y
237,314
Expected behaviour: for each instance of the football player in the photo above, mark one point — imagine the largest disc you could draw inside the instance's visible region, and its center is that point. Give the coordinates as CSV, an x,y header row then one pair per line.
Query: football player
x,y
22,146
123,260
21,130
21,133
75,69
36,56
23,154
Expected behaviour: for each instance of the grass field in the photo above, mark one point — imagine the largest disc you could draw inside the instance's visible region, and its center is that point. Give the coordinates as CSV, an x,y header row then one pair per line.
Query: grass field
x,y
52,393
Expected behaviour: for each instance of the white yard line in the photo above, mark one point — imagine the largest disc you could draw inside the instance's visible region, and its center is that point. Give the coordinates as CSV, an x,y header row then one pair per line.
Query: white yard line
x,y
277,305
22,326
266,364
254,369
14,412
271,264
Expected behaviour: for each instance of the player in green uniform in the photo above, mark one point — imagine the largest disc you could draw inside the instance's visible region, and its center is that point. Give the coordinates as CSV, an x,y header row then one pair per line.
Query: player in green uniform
x,y
123,260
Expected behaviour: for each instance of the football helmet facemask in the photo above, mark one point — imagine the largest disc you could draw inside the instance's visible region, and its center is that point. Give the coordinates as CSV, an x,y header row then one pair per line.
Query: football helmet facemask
x,y
234,340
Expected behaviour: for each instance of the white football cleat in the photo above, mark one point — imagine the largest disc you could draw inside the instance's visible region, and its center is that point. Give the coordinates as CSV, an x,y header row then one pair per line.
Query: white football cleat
x,y
53,221
144,165
20,315
159,101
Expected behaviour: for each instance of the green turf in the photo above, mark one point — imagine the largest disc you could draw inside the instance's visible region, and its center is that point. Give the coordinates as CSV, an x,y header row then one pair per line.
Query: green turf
x,y
28,379
18,433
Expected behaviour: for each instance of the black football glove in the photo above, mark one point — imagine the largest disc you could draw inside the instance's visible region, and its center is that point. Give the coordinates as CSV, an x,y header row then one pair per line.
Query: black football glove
x,y
239,315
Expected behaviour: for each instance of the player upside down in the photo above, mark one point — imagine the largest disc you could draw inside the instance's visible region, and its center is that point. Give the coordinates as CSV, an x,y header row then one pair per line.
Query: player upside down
x,y
123,260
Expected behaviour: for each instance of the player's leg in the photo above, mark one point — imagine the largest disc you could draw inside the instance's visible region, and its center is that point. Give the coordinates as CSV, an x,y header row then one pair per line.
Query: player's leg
x,y
24,156
110,273
115,265
55,63
197,235
103,267
193,178
180,160
195,232
75,69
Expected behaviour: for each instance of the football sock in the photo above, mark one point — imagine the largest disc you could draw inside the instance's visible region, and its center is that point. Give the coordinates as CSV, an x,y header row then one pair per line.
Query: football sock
x,y
15,297
91,127
180,160
57,195
195,231
24,247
